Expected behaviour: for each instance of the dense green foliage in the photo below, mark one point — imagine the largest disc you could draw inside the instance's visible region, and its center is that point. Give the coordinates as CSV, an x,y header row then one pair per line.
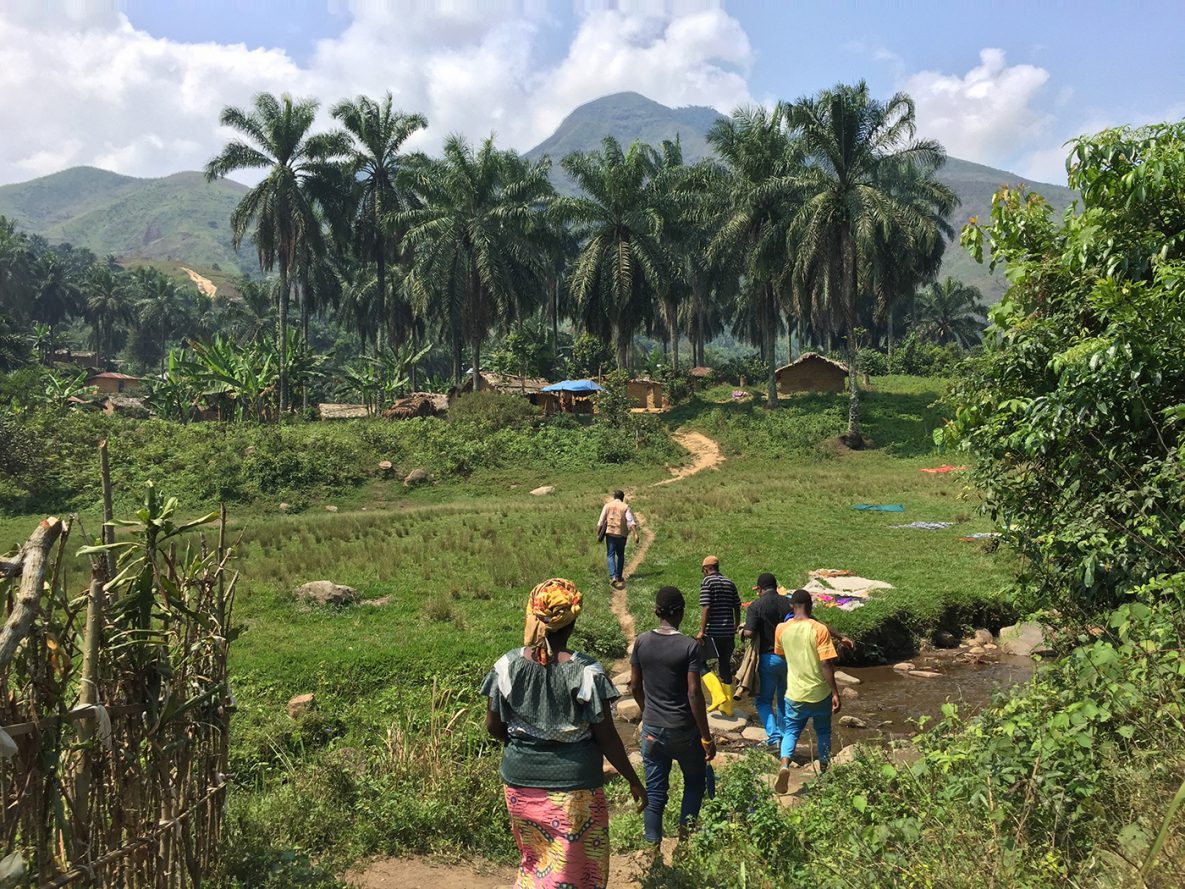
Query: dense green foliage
x,y
1065,781
48,457
1074,411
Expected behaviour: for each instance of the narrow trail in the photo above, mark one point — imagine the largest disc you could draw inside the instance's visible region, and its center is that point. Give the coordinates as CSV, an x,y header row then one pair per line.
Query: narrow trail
x,y
705,455
626,870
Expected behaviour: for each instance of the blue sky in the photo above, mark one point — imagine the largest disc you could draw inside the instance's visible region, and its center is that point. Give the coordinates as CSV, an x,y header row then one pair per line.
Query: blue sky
x,y
136,85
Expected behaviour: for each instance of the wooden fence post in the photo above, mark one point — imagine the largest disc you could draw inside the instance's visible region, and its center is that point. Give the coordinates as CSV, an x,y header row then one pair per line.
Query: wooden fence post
x,y
108,535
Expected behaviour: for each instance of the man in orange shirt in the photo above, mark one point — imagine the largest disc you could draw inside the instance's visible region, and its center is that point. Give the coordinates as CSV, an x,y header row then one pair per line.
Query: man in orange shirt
x,y
811,692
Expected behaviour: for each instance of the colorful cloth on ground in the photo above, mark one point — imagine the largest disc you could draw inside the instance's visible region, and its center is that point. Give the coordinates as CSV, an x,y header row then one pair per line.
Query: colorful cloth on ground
x,y
552,605
981,535
805,644
563,837
925,526
548,711
844,603
880,507
945,468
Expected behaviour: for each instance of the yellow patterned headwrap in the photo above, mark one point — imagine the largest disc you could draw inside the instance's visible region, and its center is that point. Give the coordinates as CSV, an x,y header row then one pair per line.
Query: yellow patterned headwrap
x,y
553,605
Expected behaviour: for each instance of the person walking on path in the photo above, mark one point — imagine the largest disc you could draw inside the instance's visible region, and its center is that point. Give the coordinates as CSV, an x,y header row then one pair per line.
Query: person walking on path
x,y
665,681
549,706
811,692
762,619
615,524
720,615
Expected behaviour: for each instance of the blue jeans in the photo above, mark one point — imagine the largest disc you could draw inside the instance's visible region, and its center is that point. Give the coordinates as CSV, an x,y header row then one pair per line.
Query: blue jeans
x,y
770,700
660,747
797,714
615,549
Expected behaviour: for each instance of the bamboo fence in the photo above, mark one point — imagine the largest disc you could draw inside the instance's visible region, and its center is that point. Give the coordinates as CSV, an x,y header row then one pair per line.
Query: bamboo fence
x,y
114,705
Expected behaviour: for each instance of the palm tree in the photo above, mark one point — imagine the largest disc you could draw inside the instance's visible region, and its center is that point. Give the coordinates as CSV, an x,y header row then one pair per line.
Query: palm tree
x,y
108,307
618,219
866,181
301,175
760,162
159,304
951,312
56,293
471,235
378,133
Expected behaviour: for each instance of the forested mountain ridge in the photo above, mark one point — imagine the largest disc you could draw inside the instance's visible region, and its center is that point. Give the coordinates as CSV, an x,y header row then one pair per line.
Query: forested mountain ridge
x,y
630,116
181,217
185,220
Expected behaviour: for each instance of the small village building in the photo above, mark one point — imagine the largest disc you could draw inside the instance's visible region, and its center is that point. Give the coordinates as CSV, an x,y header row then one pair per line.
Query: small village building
x,y
812,372
418,404
646,395
125,406
331,411
111,383
81,360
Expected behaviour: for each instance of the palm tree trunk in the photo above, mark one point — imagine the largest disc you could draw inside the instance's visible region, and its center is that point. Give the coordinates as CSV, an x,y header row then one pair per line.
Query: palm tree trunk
x,y
304,331
854,438
769,346
554,287
282,336
889,319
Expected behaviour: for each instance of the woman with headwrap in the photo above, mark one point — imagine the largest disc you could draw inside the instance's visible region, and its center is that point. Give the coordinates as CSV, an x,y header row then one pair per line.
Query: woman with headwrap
x,y
550,707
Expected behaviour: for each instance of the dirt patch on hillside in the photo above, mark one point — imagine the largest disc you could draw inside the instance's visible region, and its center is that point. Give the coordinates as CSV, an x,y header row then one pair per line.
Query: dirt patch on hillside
x,y
205,285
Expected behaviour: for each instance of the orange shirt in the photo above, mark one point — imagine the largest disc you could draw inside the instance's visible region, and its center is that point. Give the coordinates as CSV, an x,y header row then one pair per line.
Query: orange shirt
x,y
805,644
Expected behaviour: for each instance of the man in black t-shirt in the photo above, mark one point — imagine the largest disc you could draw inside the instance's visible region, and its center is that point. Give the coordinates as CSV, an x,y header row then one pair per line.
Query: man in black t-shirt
x,y
761,620
665,681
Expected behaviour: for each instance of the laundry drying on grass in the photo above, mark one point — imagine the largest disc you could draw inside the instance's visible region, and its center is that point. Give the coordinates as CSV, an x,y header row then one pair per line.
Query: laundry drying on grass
x,y
942,470
879,507
925,526
981,535
839,588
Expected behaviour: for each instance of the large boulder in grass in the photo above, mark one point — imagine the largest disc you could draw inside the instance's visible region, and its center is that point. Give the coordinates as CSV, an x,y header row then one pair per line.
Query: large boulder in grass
x,y
326,592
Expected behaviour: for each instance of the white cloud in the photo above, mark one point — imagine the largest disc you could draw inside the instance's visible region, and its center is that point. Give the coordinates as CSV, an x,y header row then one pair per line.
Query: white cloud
x,y
81,85
987,115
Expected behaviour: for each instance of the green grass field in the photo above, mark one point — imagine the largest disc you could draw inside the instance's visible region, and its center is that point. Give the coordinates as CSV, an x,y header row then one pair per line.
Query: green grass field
x,y
444,573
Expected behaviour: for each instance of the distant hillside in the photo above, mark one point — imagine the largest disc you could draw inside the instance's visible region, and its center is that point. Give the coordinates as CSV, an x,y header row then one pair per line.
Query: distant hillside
x,y
179,218
629,116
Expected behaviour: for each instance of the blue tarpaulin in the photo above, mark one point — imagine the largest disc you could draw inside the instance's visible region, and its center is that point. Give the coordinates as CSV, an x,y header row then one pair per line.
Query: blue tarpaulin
x,y
573,386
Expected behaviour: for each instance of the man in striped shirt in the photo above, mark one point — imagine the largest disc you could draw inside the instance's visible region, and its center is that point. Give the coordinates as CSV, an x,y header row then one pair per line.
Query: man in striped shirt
x,y
720,614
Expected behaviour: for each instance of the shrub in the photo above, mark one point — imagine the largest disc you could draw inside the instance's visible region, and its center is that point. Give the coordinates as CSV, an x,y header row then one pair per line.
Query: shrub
x,y
491,410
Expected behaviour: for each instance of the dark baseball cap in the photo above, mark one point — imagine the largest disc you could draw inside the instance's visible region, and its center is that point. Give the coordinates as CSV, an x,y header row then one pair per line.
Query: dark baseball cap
x,y
766,581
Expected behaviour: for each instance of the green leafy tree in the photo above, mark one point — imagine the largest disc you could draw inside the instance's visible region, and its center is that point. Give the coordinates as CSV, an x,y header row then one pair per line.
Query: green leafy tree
x,y
471,234
282,210
951,312
159,305
56,293
617,219
866,181
1075,410
378,132
760,161
108,308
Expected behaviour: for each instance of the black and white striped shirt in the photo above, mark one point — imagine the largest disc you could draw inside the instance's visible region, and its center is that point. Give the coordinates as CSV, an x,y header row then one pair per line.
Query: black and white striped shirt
x,y
719,595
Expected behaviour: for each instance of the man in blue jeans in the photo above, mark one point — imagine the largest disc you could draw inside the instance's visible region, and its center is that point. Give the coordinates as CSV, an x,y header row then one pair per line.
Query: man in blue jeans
x,y
811,692
665,682
762,619
615,523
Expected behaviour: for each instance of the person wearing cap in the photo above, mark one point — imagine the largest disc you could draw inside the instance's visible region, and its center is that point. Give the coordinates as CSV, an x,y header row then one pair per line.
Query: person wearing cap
x,y
614,525
665,681
811,692
762,619
720,615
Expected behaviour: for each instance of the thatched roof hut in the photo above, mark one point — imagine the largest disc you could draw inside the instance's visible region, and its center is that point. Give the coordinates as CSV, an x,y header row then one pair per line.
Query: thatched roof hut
x,y
418,404
812,372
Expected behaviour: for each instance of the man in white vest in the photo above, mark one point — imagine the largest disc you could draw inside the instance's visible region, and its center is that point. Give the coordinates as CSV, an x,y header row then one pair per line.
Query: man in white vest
x,y
615,524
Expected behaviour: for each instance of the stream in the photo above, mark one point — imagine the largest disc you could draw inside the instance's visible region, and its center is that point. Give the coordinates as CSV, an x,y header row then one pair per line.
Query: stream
x,y
890,702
